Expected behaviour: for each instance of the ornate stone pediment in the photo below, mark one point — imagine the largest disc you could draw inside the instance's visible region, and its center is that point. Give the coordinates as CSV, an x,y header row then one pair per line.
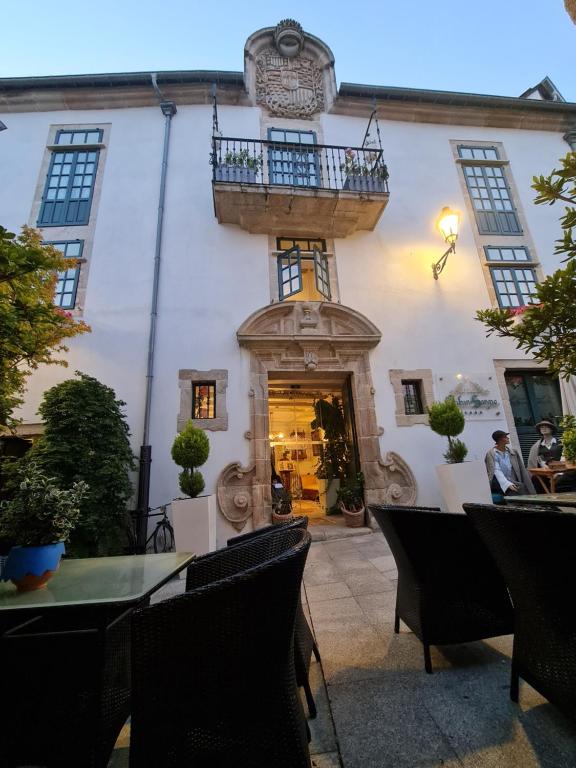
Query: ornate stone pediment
x,y
308,324
289,72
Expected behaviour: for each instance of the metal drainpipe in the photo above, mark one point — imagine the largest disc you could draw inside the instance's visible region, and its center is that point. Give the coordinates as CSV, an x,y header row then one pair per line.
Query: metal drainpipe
x,y
168,110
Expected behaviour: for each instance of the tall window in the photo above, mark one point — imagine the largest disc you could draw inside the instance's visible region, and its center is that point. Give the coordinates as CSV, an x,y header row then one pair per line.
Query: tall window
x,y
70,182
489,191
67,284
513,275
204,400
303,269
294,161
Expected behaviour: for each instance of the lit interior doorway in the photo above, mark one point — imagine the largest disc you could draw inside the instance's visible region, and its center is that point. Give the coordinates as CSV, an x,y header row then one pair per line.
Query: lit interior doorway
x,y
311,435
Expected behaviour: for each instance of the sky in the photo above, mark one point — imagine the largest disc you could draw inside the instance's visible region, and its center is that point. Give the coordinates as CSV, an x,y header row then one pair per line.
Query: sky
x,y
499,47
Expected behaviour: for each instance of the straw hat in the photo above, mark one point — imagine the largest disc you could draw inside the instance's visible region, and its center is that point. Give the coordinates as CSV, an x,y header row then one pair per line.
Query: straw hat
x,y
545,423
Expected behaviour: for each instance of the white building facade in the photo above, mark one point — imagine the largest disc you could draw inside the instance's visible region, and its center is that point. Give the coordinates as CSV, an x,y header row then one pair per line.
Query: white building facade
x,y
279,232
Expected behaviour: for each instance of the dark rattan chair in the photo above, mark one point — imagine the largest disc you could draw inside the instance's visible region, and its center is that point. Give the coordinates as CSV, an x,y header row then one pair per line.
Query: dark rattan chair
x,y
535,552
449,589
65,688
214,682
304,642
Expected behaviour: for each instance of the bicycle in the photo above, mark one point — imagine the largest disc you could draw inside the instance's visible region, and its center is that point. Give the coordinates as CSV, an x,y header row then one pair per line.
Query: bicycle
x,y
162,537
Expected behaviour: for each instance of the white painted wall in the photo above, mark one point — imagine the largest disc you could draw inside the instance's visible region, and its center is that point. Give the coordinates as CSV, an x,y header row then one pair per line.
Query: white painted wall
x,y
214,276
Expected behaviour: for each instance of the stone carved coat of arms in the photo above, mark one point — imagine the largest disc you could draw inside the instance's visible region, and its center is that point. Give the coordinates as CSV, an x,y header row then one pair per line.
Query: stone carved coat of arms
x,y
288,87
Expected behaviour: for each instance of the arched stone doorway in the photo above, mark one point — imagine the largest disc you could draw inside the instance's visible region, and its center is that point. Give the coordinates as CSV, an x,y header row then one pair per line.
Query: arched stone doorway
x,y
310,338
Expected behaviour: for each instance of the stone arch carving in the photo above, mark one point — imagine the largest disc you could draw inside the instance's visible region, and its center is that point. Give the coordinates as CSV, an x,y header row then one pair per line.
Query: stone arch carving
x,y
289,72
311,338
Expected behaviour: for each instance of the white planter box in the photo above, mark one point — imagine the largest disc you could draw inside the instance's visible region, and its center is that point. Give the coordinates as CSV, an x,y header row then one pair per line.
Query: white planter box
x,y
464,482
194,522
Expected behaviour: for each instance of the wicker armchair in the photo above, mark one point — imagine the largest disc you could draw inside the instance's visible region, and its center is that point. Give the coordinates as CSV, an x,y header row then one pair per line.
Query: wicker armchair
x,y
449,589
535,553
304,642
66,688
213,680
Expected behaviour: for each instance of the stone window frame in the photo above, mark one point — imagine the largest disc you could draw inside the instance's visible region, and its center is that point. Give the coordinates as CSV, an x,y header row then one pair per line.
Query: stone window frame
x,y
483,241
273,254
424,376
71,232
187,377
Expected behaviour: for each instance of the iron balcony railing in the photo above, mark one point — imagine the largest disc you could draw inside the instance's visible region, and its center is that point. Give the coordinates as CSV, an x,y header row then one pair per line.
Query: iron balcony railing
x,y
303,165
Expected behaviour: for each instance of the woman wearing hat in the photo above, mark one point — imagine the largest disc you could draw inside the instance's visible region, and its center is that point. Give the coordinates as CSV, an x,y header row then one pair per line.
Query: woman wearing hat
x,y
547,449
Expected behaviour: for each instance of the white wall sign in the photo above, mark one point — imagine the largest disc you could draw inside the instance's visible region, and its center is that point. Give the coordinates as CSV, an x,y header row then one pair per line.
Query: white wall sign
x,y
477,394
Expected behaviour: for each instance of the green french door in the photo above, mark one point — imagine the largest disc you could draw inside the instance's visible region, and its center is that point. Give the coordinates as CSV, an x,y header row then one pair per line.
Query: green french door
x,y
533,397
296,163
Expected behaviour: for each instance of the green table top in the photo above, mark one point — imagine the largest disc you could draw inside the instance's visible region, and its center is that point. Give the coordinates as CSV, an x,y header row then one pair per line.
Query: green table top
x,y
99,580
543,499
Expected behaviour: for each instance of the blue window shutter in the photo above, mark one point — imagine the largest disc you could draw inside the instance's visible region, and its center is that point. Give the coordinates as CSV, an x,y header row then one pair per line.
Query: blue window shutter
x,y
322,275
289,273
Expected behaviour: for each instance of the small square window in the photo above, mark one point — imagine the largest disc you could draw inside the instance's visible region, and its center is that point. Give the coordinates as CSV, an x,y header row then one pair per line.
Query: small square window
x,y
204,400
412,391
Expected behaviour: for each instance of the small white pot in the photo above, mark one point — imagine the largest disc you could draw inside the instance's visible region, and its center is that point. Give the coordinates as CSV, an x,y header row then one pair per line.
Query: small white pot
x,y
194,523
465,482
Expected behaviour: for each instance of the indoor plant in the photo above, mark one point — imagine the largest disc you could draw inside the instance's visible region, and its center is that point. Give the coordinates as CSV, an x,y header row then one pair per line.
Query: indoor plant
x,y
238,166
38,521
459,481
351,501
362,177
334,460
193,517
281,505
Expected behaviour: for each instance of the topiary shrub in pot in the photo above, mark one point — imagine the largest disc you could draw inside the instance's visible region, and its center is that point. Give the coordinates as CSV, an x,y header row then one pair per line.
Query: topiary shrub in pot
x,y
351,501
37,521
193,517
460,481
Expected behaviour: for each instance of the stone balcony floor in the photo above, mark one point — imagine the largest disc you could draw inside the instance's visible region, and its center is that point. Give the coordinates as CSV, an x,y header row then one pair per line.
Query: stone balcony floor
x,y
377,706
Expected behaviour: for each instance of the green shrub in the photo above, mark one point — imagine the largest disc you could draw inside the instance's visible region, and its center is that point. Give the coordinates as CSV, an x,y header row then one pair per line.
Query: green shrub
x,y
86,438
40,512
190,450
446,419
569,438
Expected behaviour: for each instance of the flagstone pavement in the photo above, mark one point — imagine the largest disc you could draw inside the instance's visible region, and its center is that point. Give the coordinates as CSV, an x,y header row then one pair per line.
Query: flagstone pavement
x,y
377,706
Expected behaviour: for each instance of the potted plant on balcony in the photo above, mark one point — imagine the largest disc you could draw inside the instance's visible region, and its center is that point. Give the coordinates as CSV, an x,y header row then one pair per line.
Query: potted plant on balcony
x,y
369,176
351,501
460,480
238,166
193,517
37,522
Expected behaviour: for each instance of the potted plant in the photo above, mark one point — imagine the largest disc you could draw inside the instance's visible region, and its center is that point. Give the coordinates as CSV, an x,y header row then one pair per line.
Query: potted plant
x,y
334,461
363,177
38,521
239,166
281,505
351,501
193,517
460,481
568,423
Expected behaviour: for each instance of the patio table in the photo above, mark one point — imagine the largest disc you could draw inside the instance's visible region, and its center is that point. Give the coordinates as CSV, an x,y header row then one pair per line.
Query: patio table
x,y
550,474
565,501
66,648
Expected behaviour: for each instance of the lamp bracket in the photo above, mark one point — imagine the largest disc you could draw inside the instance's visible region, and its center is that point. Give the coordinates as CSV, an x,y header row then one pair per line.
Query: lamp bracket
x,y
441,263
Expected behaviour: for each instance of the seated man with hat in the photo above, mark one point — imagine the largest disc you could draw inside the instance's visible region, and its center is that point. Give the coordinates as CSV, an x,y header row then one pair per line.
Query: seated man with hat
x,y
506,470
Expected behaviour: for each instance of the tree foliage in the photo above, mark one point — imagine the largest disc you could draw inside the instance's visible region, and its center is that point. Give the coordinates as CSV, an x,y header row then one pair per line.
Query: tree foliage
x,y
446,419
547,328
86,439
32,328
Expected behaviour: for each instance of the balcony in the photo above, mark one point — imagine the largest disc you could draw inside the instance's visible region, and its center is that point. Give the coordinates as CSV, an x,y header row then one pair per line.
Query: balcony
x,y
271,187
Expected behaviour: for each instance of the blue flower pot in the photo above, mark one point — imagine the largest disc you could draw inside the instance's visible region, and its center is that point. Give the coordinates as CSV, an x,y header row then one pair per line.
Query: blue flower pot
x,y
31,567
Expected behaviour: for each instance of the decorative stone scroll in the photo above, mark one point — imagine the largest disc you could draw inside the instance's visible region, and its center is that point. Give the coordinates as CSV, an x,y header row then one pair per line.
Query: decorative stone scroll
x,y
390,481
236,494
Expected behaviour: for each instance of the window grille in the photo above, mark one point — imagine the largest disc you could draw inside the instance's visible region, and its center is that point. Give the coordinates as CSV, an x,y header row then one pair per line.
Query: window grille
x,y
204,400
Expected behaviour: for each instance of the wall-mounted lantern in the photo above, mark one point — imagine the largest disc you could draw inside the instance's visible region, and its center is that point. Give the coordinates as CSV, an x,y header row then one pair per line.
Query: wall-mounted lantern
x,y
448,226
